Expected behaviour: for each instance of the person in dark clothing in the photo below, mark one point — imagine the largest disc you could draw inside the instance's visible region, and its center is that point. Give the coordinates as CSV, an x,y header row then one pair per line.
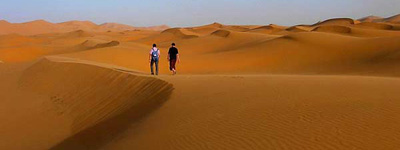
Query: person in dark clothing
x,y
154,57
173,58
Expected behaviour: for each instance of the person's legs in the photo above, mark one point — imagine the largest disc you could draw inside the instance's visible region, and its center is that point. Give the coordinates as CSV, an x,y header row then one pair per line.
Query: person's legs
x,y
151,66
156,67
172,65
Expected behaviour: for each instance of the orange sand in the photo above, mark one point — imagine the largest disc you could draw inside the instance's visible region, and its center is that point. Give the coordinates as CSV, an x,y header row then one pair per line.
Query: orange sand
x,y
78,85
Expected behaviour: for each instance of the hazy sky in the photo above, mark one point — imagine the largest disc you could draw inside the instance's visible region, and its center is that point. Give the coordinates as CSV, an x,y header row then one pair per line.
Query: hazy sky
x,y
194,12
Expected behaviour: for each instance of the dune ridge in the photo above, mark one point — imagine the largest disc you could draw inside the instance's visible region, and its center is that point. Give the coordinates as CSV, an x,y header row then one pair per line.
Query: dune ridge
x,y
298,29
178,32
269,29
333,29
336,21
101,100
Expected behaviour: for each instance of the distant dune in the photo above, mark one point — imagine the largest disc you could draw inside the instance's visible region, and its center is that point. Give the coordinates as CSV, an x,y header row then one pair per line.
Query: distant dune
x,y
298,29
371,19
270,29
93,44
43,27
372,25
116,26
221,33
333,29
392,19
336,21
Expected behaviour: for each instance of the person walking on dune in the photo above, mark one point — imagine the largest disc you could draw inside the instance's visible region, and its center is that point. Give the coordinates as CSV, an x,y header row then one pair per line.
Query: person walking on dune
x,y
173,58
153,58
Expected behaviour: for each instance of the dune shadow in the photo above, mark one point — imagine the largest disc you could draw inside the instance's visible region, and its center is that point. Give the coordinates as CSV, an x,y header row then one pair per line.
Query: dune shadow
x,y
102,133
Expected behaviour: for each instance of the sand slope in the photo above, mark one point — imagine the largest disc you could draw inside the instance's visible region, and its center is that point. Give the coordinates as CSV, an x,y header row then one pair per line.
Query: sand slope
x,y
93,103
271,112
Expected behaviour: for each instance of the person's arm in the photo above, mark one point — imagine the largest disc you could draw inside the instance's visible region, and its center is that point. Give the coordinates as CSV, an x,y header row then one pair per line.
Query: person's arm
x,y
150,56
159,54
168,55
177,56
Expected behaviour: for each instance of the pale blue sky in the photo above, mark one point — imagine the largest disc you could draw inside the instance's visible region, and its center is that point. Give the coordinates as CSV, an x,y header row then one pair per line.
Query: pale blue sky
x,y
194,12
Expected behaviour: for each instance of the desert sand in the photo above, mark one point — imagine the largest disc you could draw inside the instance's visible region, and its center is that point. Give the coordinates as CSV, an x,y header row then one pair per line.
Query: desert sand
x,y
78,85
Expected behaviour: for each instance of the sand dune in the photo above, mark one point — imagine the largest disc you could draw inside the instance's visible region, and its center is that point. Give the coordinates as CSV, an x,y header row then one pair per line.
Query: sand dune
x,y
270,29
271,112
78,85
352,51
207,29
154,28
333,29
30,28
119,27
78,25
23,53
93,97
308,52
380,26
116,26
236,28
393,19
92,44
169,35
336,21
4,24
180,33
371,19
16,40
298,29
239,112
221,33
76,34
213,25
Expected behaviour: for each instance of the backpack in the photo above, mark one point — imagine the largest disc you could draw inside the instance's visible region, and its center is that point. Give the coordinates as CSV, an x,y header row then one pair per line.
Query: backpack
x,y
154,54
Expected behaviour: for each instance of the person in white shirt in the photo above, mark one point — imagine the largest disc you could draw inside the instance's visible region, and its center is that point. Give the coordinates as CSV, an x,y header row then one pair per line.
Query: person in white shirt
x,y
154,58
